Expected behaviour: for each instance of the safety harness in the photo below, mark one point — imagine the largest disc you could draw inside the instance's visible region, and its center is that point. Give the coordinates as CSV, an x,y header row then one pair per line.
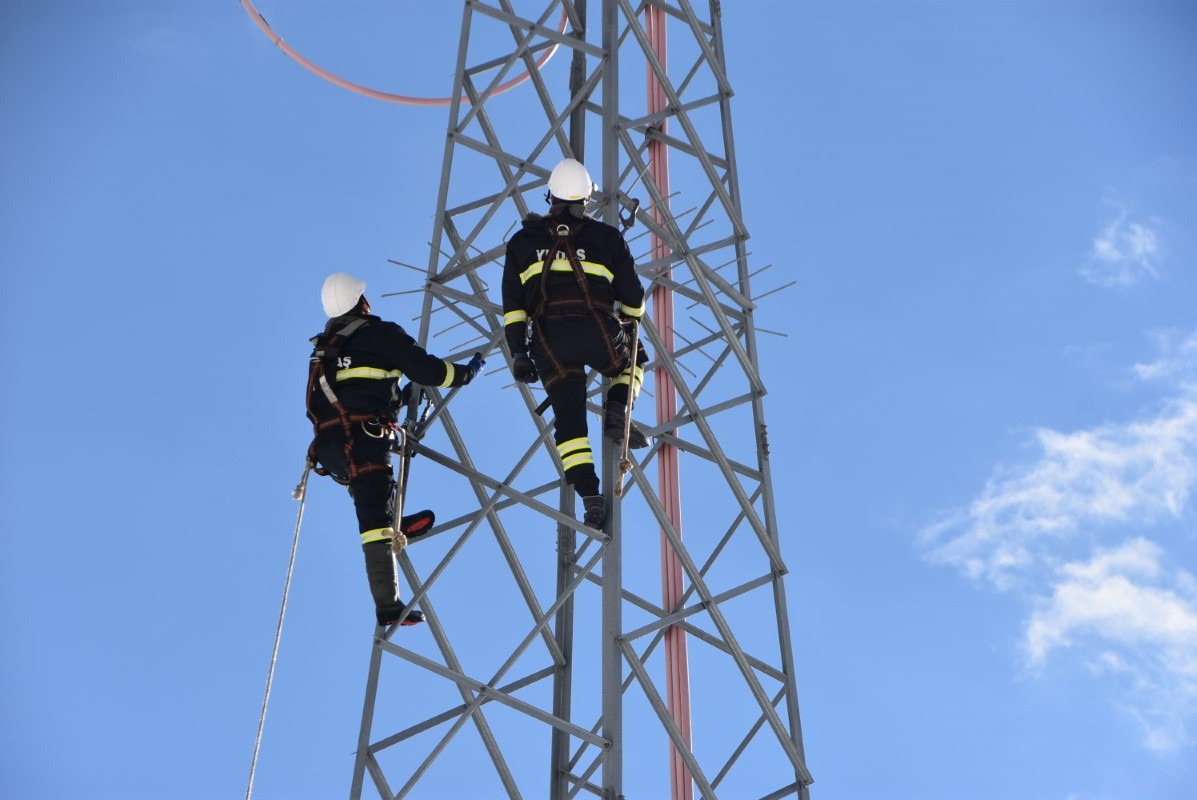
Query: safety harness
x,y
322,372
586,306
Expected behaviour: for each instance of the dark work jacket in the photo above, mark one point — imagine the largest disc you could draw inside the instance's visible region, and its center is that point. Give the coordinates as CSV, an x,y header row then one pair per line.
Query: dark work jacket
x,y
373,360
610,273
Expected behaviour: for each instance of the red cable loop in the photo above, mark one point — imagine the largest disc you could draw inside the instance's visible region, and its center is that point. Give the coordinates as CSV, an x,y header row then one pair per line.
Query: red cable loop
x,y
388,97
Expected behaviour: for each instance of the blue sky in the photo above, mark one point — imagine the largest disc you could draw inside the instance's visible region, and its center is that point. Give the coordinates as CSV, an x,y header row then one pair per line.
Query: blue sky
x,y
983,416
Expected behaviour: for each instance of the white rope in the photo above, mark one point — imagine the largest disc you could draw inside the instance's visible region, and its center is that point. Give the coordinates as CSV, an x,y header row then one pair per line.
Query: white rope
x,y
299,494
625,462
398,537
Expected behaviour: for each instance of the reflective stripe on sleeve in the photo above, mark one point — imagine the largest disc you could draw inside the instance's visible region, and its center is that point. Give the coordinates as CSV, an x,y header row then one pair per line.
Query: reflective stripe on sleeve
x,y
512,317
450,372
635,312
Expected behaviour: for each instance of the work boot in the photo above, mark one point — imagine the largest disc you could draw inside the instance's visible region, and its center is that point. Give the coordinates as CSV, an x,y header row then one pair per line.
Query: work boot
x,y
596,511
613,424
384,586
416,526
389,615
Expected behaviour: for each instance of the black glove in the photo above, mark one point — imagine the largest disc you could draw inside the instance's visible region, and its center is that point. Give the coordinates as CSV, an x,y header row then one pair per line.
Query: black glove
x,y
405,394
464,373
523,369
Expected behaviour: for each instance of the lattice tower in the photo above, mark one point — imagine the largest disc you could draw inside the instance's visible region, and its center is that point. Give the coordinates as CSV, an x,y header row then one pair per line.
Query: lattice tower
x,y
657,652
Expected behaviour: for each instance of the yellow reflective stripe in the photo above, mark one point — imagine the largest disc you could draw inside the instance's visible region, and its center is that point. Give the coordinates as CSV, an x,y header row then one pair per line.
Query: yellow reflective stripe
x,y
450,371
575,452
580,443
531,272
377,535
635,312
625,376
588,267
512,317
577,460
370,373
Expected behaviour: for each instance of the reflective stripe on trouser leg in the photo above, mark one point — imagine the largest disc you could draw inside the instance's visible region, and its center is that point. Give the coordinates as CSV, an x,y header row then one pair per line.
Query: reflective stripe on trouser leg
x,y
576,453
633,376
377,535
568,398
577,460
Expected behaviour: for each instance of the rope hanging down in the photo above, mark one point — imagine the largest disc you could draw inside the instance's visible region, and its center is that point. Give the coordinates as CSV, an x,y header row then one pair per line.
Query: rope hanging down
x,y
402,435
398,537
625,461
299,494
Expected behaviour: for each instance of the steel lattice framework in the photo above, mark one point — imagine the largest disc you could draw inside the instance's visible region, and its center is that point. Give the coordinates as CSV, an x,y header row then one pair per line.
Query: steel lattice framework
x,y
635,657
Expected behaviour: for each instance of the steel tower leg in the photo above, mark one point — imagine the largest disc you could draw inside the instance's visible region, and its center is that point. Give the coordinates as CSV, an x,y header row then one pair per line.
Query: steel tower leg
x,y
612,588
786,652
363,759
593,672
567,559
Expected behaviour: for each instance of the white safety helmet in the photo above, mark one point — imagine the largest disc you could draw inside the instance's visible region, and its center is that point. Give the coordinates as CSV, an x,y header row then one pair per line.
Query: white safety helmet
x,y
570,181
340,293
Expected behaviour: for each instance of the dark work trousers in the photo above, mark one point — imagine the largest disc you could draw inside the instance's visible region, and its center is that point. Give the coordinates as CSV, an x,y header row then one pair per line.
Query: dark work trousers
x,y
372,488
562,349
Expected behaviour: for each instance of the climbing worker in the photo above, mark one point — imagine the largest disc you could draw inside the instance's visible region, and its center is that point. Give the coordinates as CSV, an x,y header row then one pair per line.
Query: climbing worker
x,y
353,395
570,295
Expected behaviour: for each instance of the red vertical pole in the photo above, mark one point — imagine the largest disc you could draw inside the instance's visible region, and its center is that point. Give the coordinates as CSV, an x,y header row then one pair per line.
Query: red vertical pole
x,y
677,667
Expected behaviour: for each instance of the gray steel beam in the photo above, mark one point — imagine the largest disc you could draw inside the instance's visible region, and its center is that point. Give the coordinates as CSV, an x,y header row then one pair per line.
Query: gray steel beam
x,y
611,626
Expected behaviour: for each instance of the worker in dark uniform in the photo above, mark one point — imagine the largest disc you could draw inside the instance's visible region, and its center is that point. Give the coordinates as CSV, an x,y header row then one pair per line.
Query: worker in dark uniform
x,y
352,400
570,289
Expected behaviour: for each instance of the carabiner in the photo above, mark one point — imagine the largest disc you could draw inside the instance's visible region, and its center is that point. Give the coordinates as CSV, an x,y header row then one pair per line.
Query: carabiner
x,y
384,431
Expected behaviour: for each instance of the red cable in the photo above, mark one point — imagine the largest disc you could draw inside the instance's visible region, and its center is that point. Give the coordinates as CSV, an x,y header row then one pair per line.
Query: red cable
x,y
388,97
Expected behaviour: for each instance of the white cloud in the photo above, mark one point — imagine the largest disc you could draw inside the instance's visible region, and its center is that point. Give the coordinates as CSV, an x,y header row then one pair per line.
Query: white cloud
x,y
1142,619
1114,594
1177,360
1123,253
1137,472
1068,531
